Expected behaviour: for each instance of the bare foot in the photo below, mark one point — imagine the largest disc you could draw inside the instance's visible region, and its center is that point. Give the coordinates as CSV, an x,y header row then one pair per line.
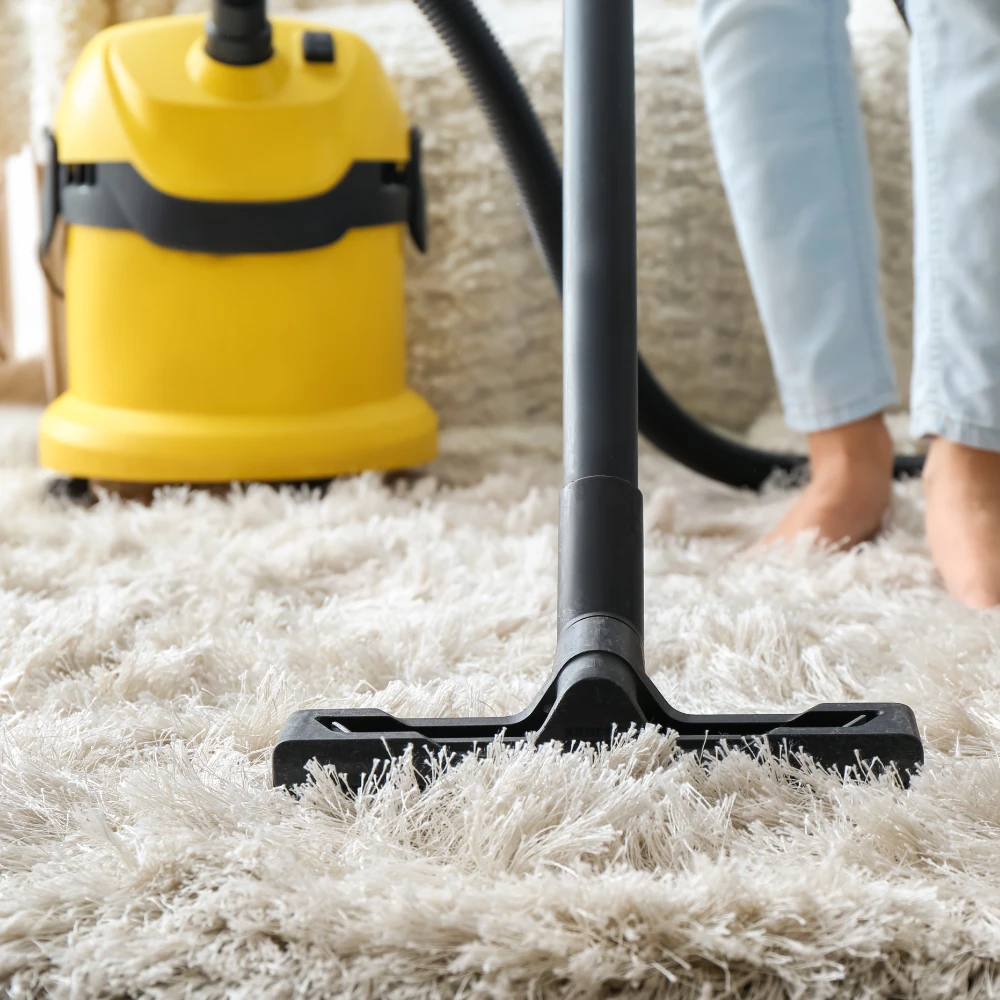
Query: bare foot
x,y
849,488
962,486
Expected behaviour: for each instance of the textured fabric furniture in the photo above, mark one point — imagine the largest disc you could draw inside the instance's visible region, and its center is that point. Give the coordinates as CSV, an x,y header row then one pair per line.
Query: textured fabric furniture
x,y
484,322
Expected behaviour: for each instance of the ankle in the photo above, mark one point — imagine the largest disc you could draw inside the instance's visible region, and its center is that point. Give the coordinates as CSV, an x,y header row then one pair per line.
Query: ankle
x,y
861,451
962,486
961,460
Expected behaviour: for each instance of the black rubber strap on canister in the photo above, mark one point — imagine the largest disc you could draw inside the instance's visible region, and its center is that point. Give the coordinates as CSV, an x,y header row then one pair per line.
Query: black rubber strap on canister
x,y
117,196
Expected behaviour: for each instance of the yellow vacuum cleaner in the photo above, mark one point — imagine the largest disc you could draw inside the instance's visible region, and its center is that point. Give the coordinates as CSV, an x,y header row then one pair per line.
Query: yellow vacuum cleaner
x,y
236,193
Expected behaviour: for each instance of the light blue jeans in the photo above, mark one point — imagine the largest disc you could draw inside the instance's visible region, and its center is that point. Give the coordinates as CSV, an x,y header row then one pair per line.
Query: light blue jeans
x,y
783,109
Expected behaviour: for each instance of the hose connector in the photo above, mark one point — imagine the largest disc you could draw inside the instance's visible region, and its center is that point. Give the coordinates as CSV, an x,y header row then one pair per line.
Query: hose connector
x,y
238,33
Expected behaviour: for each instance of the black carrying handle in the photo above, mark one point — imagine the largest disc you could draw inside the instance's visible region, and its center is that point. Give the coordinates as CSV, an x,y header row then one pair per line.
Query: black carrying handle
x,y
51,208
413,178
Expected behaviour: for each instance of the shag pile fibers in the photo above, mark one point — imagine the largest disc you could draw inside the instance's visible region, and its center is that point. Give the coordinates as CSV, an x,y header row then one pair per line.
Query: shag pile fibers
x,y
484,322
149,655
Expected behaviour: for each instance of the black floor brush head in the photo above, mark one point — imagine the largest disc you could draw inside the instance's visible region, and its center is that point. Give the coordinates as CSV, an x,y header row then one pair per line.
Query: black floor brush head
x,y
589,700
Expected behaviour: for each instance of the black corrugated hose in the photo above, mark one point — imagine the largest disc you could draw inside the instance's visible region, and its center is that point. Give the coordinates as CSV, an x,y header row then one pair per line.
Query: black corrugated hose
x,y
538,176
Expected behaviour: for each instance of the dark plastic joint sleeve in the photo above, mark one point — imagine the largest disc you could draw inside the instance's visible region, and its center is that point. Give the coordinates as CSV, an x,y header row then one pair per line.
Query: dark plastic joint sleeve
x,y
600,551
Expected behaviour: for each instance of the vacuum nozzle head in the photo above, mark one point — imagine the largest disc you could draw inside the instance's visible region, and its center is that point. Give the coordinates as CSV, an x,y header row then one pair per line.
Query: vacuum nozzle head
x,y
239,33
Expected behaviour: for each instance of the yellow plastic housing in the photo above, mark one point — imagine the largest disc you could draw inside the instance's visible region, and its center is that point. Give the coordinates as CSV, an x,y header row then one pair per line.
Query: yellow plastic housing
x,y
192,367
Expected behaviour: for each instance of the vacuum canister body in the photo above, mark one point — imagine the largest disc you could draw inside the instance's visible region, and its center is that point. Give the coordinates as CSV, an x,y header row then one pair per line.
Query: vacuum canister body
x,y
234,271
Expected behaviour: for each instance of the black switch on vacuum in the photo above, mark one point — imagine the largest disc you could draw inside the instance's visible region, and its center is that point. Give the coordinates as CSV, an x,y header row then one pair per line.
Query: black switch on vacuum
x,y
317,47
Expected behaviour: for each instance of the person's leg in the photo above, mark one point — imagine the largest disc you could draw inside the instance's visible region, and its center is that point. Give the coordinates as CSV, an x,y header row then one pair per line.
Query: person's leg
x,y
955,111
783,109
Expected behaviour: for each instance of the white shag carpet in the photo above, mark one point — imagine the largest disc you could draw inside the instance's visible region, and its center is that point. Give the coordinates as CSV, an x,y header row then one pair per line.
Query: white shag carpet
x,y
149,655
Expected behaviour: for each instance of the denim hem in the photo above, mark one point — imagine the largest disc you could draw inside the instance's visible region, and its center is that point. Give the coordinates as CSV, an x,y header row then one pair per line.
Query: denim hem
x,y
809,419
926,421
